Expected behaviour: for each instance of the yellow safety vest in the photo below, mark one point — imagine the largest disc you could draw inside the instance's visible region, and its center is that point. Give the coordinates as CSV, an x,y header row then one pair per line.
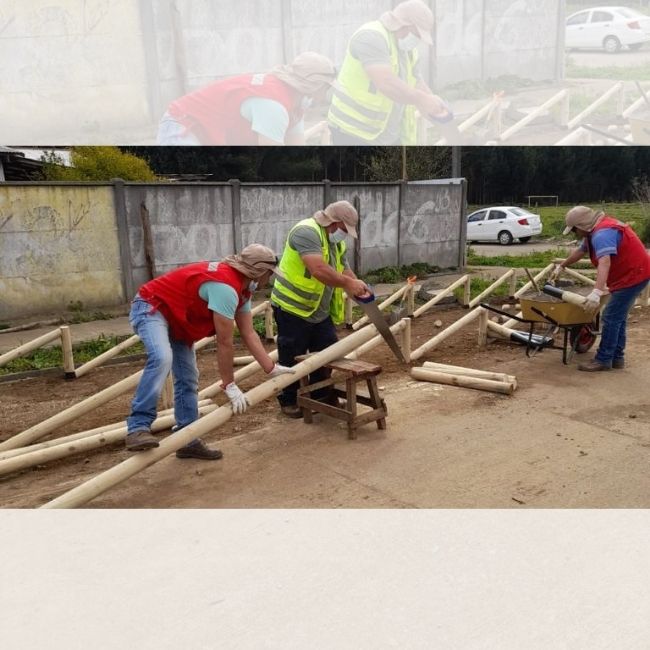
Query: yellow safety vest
x,y
298,292
358,108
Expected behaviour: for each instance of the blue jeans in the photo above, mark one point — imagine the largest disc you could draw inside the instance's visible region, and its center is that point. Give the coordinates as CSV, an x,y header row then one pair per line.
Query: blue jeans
x,y
171,132
163,354
614,324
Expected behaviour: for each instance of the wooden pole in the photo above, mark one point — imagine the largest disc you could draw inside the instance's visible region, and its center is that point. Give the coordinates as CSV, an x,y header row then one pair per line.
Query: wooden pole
x,y
410,299
577,120
105,356
470,372
463,381
103,482
467,291
491,288
73,412
28,347
406,339
446,333
68,357
243,361
513,283
348,312
268,323
558,97
440,296
483,329
375,341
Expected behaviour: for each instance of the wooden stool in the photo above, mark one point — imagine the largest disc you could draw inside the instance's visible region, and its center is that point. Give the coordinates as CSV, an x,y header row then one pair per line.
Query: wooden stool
x,y
353,371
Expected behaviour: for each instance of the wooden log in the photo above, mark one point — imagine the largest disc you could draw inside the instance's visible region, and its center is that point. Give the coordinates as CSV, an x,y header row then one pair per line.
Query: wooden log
x,y
70,447
243,361
513,283
164,420
349,304
105,356
410,299
30,346
446,333
470,372
375,341
497,283
467,291
406,339
440,296
483,328
558,97
68,357
463,381
386,303
577,120
99,484
268,323
528,286
579,276
72,413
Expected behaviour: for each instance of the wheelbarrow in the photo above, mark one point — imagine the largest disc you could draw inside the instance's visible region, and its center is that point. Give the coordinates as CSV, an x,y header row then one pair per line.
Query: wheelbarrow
x,y
550,307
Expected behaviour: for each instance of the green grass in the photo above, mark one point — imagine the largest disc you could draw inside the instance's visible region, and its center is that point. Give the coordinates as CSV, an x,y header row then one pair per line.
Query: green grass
x,y
52,357
394,274
536,260
479,285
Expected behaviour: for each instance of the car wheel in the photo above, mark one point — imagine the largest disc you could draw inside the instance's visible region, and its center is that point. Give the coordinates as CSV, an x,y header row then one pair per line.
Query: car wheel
x,y
635,47
505,238
524,240
611,44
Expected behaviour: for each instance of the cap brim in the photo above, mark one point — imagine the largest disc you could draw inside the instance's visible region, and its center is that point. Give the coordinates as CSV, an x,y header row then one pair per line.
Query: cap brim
x,y
425,36
352,231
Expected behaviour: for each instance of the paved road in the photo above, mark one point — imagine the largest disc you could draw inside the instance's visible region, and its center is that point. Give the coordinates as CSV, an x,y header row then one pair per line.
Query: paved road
x,y
516,249
599,59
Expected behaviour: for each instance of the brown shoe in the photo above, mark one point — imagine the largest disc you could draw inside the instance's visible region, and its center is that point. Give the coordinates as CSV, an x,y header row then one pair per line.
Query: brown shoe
x,y
291,411
140,440
198,449
617,364
592,366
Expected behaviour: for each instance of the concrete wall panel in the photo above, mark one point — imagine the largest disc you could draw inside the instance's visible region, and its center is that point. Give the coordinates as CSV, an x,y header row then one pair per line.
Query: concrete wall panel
x,y
57,245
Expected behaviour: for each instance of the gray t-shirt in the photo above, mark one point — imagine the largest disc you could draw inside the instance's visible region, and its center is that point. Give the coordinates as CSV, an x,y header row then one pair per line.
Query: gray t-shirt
x,y
371,48
306,241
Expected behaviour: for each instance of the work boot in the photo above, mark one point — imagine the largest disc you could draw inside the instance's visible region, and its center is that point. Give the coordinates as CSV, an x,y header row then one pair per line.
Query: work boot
x,y
198,449
618,364
593,366
291,411
140,440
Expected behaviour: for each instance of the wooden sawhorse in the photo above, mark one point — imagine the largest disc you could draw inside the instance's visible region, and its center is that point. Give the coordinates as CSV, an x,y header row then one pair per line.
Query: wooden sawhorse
x,y
353,372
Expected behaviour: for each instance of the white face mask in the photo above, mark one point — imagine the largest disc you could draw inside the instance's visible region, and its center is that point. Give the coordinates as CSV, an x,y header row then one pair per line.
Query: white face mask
x,y
338,236
408,43
252,287
306,103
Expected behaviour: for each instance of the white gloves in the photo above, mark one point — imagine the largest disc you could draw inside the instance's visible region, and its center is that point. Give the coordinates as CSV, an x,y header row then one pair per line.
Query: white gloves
x,y
281,370
592,301
237,398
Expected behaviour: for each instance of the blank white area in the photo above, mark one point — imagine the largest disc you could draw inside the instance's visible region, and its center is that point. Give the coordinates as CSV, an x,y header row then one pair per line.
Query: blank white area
x,y
325,579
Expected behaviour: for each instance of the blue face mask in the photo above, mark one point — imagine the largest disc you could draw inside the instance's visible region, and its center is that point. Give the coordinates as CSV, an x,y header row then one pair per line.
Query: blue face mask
x,y
338,236
252,287
408,43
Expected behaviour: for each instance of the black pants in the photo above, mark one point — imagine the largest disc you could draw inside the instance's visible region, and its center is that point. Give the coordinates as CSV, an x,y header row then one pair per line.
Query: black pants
x,y
295,337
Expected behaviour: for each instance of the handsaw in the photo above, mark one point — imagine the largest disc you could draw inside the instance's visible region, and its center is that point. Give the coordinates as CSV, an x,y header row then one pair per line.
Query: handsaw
x,y
369,306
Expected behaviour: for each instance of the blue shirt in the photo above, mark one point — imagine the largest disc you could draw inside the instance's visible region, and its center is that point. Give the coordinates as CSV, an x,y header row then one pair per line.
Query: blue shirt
x,y
603,242
222,299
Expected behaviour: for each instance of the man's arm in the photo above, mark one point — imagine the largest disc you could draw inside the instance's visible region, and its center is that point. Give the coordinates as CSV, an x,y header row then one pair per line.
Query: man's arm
x,y
244,320
602,272
324,273
225,351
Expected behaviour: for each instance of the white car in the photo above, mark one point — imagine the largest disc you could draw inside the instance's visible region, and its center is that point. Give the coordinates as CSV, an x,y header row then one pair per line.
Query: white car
x,y
503,225
608,27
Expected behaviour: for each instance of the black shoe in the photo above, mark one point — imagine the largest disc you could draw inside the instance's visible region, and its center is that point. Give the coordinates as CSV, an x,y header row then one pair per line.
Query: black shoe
x,y
618,364
140,440
198,449
291,411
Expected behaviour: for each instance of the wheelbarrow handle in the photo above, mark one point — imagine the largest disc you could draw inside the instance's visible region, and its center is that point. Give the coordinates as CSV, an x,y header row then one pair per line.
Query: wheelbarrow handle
x,y
504,313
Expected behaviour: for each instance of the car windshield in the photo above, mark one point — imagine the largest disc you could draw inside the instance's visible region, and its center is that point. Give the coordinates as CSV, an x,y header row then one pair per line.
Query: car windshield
x,y
519,212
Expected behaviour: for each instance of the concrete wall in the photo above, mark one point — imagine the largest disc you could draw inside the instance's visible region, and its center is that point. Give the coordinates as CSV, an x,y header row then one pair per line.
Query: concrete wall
x,y
102,71
58,244
62,243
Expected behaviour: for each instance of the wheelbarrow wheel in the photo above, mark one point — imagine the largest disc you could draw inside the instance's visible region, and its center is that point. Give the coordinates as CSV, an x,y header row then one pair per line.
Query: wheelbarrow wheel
x,y
582,338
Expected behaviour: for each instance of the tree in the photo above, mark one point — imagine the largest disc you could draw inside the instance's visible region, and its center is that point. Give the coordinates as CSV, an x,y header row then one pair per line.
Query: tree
x,y
97,164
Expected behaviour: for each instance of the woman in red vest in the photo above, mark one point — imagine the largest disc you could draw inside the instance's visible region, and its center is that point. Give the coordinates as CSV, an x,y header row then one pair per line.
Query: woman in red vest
x,y
250,109
623,268
170,313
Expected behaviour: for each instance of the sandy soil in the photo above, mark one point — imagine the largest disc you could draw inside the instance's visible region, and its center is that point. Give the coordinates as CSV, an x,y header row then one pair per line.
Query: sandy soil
x,y
265,432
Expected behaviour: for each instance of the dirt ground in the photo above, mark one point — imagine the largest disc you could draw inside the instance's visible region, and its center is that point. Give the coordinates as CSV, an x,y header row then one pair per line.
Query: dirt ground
x,y
411,407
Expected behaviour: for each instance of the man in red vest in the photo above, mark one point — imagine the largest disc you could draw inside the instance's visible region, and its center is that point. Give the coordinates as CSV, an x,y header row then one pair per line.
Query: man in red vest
x,y
623,267
170,313
250,109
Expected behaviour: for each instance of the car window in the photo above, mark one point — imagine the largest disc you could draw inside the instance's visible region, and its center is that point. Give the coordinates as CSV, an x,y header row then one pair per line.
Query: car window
x,y
477,216
519,212
497,214
630,13
578,19
601,17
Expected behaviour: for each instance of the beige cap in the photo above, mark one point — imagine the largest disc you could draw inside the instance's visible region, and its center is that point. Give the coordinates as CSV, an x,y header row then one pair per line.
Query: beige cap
x,y
412,13
307,73
340,211
580,217
254,261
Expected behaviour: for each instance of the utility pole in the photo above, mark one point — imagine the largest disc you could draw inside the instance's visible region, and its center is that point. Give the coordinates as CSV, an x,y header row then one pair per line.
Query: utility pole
x,y
404,172
456,153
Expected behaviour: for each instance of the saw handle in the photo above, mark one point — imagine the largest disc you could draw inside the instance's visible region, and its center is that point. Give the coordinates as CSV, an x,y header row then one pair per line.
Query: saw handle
x,y
366,298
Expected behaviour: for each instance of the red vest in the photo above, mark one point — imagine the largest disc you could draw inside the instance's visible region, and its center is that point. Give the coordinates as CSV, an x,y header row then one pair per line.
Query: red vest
x,y
631,265
213,113
176,296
